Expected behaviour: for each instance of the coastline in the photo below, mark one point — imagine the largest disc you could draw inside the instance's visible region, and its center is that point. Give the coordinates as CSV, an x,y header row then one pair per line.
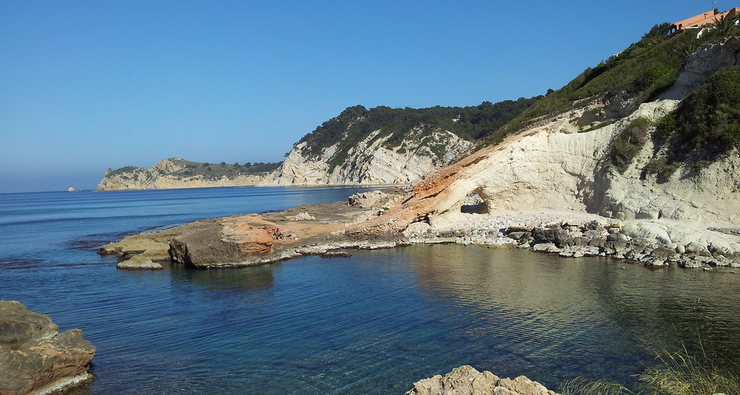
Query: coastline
x,y
378,219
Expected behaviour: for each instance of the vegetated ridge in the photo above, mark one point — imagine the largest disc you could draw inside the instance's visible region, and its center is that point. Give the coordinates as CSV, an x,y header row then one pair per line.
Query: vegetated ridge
x,y
179,173
384,145
381,145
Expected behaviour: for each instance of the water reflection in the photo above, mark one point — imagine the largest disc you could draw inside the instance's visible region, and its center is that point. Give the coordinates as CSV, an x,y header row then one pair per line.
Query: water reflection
x,y
226,281
592,314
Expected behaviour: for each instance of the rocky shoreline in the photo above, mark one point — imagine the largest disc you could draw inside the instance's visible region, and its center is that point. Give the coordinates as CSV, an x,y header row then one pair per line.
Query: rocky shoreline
x,y
649,242
367,221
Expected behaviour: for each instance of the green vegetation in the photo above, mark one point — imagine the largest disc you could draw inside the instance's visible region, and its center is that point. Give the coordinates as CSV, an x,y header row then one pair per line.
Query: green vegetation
x,y
704,126
643,71
662,167
629,142
123,170
677,374
708,121
211,171
355,123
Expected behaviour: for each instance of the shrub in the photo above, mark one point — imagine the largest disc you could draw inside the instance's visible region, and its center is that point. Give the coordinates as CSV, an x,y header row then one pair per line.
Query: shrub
x,y
628,143
666,125
708,120
663,167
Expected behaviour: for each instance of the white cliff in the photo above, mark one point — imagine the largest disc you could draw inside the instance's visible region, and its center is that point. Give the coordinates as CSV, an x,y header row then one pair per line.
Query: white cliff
x,y
370,162
554,165
546,168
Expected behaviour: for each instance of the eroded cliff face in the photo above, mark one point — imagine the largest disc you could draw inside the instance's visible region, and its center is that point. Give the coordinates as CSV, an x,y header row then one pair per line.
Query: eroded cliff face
x,y
563,164
168,174
370,162
548,168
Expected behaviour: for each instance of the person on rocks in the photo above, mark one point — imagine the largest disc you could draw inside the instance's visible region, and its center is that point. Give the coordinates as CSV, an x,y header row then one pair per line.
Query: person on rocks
x,y
277,234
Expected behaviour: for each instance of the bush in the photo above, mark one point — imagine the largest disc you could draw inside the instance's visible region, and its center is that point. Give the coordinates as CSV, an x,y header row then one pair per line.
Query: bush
x,y
708,120
663,167
629,142
666,125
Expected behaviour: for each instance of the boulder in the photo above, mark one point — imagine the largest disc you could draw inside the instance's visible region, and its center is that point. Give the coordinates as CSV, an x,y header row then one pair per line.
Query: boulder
x,y
466,380
35,357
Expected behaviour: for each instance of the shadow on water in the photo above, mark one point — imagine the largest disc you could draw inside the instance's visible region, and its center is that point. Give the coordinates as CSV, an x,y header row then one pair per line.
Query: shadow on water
x,y
228,281
20,264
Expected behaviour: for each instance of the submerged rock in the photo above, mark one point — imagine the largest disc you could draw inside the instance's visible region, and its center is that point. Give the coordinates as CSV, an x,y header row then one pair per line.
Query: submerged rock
x,y
466,380
35,357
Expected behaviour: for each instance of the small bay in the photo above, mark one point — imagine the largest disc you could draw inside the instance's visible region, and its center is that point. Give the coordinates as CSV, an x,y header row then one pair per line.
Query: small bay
x,y
372,323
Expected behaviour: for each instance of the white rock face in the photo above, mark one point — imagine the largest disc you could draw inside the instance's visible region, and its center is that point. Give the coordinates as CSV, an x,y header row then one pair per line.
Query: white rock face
x,y
550,168
700,65
370,163
553,167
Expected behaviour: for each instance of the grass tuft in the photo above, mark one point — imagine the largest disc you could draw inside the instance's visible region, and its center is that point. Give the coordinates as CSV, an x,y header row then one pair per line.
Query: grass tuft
x,y
678,373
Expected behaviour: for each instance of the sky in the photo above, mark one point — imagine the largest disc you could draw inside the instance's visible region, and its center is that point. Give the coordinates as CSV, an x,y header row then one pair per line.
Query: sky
x,y
91,85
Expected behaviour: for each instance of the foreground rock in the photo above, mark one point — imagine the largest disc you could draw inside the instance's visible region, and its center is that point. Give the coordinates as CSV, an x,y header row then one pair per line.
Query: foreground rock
x,y
34,357
465,380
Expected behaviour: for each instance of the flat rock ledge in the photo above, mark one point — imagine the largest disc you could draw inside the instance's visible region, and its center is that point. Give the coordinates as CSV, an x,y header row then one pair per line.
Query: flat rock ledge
x,y
35,358
365,223
466,380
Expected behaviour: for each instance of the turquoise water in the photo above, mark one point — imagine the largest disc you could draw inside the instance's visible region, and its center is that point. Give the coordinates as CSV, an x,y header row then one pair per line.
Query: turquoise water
x,y
372,323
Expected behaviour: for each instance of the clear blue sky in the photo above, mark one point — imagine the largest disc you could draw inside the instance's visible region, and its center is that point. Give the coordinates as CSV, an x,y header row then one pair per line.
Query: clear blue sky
x,y
91,85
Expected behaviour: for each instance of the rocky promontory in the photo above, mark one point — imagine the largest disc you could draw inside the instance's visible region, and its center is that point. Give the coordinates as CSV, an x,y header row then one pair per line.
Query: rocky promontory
x,y
35,358
176,173
254,239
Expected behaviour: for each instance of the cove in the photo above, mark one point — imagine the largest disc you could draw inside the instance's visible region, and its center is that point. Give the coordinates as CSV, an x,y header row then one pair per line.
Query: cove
x,y
372,323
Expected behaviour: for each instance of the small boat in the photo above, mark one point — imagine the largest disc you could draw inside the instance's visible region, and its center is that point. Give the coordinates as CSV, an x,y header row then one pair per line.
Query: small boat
x,y
73,190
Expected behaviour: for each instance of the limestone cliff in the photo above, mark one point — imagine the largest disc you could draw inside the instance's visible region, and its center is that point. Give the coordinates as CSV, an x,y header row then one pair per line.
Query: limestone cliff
x,y
179,173
564,163
370,161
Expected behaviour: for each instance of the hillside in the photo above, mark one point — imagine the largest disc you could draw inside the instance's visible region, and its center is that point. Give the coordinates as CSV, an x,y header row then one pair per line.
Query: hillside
x,y
649,175
179,173
360,146
668,172
384,145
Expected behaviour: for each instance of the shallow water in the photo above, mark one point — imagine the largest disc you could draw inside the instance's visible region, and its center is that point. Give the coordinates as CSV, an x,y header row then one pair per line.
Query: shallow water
x,y
372,323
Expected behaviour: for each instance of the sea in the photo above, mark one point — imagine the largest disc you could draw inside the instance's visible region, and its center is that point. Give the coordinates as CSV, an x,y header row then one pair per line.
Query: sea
x,y
373,323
